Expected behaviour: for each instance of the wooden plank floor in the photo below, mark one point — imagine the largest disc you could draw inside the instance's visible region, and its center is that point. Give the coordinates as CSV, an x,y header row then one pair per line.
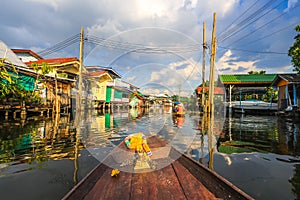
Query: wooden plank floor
x,y
176,177
170,182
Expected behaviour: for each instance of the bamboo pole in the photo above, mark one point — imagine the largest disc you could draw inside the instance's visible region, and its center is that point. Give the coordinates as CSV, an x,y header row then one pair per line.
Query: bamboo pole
x,y
203,67
212,68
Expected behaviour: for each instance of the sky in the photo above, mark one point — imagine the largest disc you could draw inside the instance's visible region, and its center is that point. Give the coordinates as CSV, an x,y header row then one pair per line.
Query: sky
x,y
157,44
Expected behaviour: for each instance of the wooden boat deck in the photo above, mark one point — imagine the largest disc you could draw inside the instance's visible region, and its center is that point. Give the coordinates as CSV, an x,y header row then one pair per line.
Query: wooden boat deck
x,y
182,179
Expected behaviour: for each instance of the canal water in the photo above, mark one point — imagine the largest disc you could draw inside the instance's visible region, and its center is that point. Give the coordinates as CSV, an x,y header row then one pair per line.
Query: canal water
x,y
43,158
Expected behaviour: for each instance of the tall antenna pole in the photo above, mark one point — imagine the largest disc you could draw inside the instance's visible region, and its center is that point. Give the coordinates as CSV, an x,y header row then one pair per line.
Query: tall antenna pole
x,y
203,67
212,68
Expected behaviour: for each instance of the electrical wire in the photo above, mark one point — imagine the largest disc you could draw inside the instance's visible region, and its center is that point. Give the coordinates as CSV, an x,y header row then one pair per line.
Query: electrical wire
x,y
250,51
273,33
236,19
264,25
246,22
61,45
141,47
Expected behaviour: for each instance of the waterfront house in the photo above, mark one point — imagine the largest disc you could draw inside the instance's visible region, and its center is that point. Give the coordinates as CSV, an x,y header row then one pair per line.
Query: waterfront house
x,y
242,86
26,79
27,55
288,90
121,92
219,92
12,58
62,78
61,67
98,84
103,86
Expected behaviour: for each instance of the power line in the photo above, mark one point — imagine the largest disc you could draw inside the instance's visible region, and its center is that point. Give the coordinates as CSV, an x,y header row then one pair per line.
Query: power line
x,y
244,23
262,26
251,51
61,45
141,47
239,17
268,35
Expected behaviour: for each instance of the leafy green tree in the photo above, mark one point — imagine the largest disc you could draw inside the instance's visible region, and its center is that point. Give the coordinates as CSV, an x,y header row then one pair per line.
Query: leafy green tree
x,y
294,51
271,95
9,88
6,79
258,72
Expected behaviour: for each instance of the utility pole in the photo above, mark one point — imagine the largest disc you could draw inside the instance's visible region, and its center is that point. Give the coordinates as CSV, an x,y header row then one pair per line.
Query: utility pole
x,y
203,67
79,99
78,108
212,68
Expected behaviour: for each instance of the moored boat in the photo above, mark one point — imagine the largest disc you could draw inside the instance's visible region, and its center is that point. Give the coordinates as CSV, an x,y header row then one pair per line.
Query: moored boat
x,y
254,106
174,176
178,108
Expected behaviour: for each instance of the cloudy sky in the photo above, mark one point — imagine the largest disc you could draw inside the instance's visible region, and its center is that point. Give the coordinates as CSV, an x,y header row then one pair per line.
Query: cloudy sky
x,y
157,44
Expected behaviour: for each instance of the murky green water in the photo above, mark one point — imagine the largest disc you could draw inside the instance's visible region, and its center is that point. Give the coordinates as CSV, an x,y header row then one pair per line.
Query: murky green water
x,y
44,158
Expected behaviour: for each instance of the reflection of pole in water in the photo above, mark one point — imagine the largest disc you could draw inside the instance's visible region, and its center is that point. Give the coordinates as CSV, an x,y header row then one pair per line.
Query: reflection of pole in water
x,y
76,153
203,120
230,127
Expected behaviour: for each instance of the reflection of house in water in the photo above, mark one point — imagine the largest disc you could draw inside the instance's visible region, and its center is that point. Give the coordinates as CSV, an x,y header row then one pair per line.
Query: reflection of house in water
x,y
260,134
37,141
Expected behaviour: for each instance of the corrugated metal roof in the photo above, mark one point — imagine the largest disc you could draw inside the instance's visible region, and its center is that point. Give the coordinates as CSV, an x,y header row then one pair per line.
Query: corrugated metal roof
x,y
292,78
6,52
247,78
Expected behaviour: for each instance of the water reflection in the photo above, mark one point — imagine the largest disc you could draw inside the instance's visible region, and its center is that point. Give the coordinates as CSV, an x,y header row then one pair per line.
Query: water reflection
x,y
105,131
35,142
178,121
271,143
257,153
260,134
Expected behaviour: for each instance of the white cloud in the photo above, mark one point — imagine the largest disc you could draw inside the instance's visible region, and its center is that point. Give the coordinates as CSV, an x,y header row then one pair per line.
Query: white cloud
x,y
46,22
55,4
229,64
291,3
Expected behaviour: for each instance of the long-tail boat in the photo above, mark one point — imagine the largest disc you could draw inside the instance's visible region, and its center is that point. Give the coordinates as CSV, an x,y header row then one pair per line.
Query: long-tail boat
x,y
169,174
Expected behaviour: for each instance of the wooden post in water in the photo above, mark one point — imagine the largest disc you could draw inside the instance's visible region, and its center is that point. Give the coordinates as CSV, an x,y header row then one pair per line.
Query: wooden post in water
x,y
23,110
56,96
212,69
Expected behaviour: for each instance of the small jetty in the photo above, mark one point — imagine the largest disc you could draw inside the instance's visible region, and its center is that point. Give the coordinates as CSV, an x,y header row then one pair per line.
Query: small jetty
x,y
176,177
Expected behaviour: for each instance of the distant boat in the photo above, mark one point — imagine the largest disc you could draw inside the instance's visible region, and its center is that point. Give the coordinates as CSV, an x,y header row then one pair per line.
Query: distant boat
x,y
178,108
254,106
